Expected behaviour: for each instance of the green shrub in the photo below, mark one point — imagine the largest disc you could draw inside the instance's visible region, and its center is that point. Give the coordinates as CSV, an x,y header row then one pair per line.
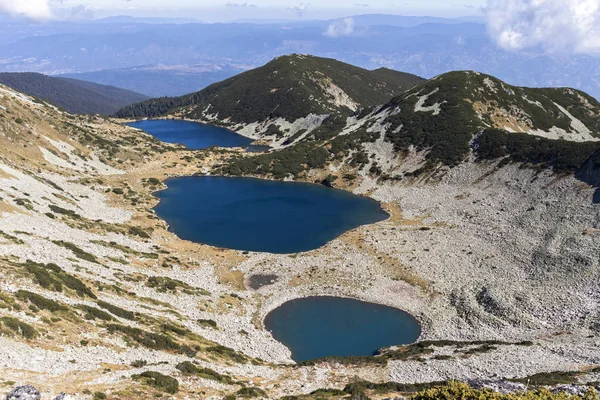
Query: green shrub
x,y
52,277
64,211
118,311
147,339
227,352
18,327
92,313
187,367
251,392
159,381
139,363
79,253
560,155
207,322
137,231
40,302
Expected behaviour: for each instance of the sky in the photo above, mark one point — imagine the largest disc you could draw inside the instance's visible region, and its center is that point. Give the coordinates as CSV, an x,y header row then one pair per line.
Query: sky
x,y
559,26
222,10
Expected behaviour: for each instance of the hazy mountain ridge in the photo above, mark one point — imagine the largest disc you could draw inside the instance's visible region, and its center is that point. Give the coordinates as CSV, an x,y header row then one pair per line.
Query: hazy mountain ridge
x,y
75,96
424,49
159,80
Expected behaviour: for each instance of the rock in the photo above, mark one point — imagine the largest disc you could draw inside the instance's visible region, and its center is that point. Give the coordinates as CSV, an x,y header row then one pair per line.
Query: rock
x,y
62,396
24,393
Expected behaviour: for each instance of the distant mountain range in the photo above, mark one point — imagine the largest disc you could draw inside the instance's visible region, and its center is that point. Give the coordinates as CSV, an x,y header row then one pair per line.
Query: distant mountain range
x,y
160,80
422,46
74,96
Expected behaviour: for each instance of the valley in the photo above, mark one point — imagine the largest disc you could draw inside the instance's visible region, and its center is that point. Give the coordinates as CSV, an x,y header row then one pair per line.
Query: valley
x,y
490,240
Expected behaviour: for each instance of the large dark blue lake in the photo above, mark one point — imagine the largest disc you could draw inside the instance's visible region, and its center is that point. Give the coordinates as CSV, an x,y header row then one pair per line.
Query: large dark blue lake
x,y
261,215
317,327
193,135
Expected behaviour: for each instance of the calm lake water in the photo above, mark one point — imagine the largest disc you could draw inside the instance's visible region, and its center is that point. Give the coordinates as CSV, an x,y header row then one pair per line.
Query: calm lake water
x,y
193,135
261,215
317,327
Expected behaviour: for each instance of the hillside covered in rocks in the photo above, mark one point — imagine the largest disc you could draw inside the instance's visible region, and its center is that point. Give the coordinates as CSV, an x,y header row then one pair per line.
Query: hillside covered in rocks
x,y
491,244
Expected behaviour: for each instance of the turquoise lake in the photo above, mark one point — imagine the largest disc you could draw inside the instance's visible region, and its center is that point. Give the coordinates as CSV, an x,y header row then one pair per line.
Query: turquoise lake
x,y
317,327
192,135
261,215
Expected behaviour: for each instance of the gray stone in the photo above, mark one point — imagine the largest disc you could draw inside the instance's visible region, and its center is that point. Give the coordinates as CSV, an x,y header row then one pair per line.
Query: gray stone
x,y
24,393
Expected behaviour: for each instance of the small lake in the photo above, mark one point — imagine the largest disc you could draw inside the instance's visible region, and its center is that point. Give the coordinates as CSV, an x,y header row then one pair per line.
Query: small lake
x,y
317,327
261,215
193,135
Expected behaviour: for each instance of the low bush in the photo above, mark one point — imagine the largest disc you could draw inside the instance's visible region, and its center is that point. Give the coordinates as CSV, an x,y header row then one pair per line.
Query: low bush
x,y
159,381
187,367
40,302
118,311
18,327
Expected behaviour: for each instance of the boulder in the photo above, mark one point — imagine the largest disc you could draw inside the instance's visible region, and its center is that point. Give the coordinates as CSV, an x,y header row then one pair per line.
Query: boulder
x,y
24,393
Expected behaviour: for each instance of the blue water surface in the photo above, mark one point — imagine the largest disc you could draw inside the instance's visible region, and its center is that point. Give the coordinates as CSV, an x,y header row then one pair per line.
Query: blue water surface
x,y
261,215
317,327
193,135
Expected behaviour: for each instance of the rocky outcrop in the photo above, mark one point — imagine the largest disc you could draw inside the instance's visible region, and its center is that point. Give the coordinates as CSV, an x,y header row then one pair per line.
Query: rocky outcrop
x,y
24,393
28,392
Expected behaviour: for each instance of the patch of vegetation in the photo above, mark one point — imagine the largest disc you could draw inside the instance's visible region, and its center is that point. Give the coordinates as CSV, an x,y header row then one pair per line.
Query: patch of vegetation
x,y
227,352
118,311
11,238
146,339
165,284
139,363
297,159
458,390
208,323
52,277
40,302
251,392
560,155
92,313
78,252
137,231
187,367
159,381
551,378
18,327
64,211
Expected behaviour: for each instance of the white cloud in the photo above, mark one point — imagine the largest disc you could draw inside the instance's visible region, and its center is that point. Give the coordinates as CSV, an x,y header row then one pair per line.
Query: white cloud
x,y
566,26
32,9
342,27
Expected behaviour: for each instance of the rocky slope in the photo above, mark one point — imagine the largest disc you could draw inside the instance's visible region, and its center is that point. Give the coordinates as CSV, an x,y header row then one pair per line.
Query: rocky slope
x,y
75,96
496,259
285,100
